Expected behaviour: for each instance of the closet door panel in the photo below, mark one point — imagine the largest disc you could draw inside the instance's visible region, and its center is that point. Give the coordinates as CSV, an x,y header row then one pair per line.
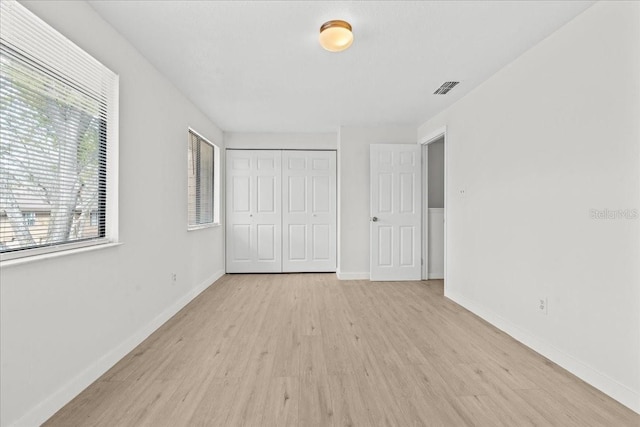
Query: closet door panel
x,y
321,194
266,194
241,200
309,211
266,245
241,236
322,242
281,211
297,242
254,211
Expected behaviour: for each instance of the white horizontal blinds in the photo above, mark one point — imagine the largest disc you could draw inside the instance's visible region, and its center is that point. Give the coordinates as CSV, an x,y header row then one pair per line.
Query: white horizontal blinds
x,y
36,41
192,187
200,180
55,107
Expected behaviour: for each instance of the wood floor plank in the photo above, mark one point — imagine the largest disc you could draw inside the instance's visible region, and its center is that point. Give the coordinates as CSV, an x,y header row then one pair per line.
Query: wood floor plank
x,y
143,403
281,407
215,403
310,350
348,404
288,350
94,405
315,407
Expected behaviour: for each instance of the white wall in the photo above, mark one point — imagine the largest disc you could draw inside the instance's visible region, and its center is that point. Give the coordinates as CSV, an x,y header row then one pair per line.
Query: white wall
x,y
282,141
66,320
551,136
353,192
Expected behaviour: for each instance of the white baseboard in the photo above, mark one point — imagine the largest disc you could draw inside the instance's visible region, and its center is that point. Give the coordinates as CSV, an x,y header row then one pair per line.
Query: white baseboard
x,y
436,275
45,409
352,276
602,382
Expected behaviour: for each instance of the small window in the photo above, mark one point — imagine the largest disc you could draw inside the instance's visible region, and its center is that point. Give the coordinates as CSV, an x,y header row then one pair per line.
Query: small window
x,y
94,218
29,218
58,124
202,182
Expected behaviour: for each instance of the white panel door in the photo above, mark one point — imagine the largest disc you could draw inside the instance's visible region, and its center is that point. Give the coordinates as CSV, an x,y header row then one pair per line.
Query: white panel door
x,y
395,239
308,211
254,211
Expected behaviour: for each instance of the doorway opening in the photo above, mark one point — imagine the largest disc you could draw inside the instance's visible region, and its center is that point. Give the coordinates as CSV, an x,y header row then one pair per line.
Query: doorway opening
x,y
434,206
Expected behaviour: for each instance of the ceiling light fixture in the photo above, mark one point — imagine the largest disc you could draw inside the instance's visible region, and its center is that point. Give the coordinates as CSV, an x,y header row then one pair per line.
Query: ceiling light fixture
x,y
336,36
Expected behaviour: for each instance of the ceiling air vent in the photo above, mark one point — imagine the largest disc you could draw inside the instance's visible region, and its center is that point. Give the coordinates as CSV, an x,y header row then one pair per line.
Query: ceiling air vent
x,y
445,88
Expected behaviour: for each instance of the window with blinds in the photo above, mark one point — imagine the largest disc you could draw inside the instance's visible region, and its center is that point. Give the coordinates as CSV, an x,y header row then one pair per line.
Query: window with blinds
x,y
202,187
58,113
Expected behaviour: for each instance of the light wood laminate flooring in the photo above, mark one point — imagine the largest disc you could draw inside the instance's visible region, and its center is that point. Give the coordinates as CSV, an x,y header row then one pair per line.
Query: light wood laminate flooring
x,y
310,350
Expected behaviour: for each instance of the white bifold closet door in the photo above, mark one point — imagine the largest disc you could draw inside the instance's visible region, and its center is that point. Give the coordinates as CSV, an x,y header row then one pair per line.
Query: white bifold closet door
x,y
308,211
254,211
281,211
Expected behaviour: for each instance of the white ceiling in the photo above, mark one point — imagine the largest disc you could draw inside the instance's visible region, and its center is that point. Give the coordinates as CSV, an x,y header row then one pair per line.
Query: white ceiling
x,y
258,67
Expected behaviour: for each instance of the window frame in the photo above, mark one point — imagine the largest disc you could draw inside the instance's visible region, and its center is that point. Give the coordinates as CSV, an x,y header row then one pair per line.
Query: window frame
x,y
108,162
215,221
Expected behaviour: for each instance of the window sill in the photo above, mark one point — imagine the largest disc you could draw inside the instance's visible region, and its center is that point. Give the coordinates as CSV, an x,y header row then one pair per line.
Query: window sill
x,y
200,227
57,254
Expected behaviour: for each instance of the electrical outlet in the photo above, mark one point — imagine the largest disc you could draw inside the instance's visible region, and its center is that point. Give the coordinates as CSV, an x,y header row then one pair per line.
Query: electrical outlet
x,y
542,305
174,278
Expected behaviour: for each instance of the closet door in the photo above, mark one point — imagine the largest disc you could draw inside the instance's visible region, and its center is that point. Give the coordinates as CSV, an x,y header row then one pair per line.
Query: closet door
x,y
309,211
254,211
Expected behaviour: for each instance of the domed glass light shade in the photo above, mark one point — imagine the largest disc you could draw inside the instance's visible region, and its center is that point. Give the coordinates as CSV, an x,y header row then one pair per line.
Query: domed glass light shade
x,y
336,36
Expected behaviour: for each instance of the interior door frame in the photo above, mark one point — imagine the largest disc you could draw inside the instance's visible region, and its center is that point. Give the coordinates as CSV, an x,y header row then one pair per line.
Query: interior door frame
x,y
440,133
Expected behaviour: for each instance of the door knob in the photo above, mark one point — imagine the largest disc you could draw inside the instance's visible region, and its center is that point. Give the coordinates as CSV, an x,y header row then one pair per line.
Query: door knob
x,y
374,219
